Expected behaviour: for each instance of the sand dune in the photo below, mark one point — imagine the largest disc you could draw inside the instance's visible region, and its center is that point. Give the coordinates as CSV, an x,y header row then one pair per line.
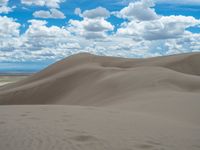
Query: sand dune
x,y
94,102
86,79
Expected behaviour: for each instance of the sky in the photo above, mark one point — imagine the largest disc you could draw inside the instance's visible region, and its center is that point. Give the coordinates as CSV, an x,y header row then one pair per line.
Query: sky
x,y
36,33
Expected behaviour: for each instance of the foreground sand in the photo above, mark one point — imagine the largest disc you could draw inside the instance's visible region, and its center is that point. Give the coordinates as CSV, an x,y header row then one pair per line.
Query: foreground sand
x,y
91,128
97,103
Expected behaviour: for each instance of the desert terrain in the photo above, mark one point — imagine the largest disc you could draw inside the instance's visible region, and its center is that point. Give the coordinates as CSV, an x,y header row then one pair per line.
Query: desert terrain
x,y
11,78
88,102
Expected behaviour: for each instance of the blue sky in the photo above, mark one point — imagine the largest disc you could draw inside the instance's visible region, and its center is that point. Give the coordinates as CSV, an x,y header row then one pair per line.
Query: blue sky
x,y
36,33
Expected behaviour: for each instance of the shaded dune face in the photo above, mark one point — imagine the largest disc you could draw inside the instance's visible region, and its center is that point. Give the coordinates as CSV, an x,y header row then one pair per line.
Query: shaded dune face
x,y
90,80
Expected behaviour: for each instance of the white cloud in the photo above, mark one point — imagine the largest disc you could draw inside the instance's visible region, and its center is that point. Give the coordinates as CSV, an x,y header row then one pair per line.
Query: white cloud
x,y
188,43
183,2
38,43
94,24
77,11
4,7
38,35
139,10
165,27
179,2
47,3
8,27
52,4
91,28
3,2
150,26
9,37
98,12
38,28
53,13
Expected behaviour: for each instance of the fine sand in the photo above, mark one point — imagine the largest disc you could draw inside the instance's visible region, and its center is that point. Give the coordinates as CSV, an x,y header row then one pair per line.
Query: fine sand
x,y
88,102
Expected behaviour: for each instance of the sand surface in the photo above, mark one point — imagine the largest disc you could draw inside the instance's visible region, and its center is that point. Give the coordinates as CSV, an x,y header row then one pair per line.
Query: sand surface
x,y
6,79
89,102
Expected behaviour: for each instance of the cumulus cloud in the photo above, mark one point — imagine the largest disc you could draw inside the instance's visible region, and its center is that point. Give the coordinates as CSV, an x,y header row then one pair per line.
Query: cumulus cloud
x,y
139,10
38,43
47,3
4,7
90,28
183,2
38,28
8,27
94,24
188,43
42,43
53,13
77,11
38,35
9,37
165,27
98,12
3,2
52,4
